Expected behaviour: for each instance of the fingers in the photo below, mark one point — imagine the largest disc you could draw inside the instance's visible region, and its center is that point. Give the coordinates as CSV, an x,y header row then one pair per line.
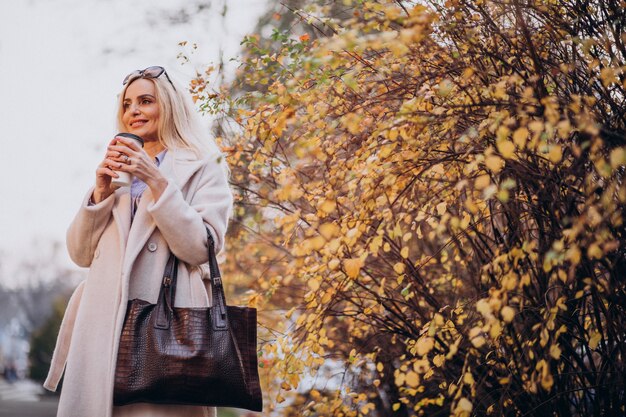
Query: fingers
x,y
129,143
118,152
116,156
108,167
107,171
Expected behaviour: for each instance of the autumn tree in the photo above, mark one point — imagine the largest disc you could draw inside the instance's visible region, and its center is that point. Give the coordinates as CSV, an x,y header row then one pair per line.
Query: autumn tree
x,y
433,193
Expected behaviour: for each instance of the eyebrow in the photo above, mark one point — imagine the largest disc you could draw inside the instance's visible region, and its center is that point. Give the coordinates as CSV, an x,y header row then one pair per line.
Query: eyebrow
x,y
140,97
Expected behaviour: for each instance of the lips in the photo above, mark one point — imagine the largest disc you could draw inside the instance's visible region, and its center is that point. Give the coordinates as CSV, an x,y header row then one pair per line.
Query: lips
x,y
138,123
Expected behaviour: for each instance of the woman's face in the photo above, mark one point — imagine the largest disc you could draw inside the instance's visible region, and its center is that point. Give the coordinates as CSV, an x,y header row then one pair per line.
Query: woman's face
x,y
141,110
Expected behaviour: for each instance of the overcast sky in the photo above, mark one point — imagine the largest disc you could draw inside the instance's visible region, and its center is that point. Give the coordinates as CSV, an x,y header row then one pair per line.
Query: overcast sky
x,y
61,65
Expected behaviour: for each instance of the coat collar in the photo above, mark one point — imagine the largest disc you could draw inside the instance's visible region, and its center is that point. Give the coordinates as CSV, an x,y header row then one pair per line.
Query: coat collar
x,y
177,166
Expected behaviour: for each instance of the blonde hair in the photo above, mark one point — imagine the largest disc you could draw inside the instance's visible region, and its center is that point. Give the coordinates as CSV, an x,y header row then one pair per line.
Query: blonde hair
x,y
179,124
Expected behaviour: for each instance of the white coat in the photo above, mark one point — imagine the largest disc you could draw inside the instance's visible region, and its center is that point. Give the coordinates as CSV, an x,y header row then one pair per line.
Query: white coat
x,y
126,263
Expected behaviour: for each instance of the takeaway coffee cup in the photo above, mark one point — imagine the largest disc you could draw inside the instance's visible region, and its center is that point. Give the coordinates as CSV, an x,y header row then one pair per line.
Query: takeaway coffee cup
x,y
125,179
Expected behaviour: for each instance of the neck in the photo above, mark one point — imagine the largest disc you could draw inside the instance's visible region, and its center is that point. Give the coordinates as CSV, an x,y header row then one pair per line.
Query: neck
x,y
153,148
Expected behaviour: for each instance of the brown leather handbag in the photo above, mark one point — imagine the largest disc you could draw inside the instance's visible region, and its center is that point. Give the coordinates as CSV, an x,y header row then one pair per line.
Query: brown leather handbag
x,y
193,356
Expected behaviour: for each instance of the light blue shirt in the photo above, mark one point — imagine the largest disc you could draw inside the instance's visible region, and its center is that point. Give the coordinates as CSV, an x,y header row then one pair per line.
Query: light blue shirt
x,y
138,187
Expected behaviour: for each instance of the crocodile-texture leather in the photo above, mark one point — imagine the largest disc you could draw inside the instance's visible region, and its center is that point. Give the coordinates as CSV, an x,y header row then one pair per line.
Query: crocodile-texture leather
x,y
193,356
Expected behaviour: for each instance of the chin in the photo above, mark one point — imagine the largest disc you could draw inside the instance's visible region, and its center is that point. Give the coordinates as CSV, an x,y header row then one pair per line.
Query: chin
x,y
145,134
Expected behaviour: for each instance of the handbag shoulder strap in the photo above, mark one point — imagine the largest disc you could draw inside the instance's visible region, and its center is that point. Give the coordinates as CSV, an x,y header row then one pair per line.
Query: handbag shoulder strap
x,y
167,293
220,319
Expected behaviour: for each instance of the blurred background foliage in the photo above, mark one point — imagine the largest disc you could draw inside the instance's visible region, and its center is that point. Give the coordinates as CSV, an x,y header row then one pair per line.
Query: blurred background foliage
x,y
430,205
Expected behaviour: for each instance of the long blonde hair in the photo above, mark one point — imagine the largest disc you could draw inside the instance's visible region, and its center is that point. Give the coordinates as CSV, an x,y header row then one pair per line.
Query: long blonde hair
x,y
179,124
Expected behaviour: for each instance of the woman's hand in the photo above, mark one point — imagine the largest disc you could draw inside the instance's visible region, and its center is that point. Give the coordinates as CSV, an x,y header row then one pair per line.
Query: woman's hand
x,y
131,158
105,173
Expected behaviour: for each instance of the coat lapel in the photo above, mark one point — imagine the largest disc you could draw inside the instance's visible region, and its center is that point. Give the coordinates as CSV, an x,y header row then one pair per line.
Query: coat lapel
x,y
177,166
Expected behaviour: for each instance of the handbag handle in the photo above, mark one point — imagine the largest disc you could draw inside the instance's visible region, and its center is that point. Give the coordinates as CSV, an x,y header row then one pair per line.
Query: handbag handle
x,y
167,294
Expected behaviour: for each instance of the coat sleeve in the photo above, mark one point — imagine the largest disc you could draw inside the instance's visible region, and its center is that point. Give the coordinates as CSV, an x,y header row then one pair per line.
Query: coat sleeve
x,y
182,224
87,228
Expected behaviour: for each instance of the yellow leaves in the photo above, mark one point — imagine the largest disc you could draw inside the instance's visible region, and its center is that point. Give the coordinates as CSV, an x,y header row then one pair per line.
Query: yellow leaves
x,y
495,330
494,163
412,379
399,268
424,345
289,189
545,375
564,129
507,313
439,360
400,378
396,231
453,348
555,351
506,148
509,281
387,149
499,92
437,169
536,126
280,122
446,87
608,76
333,264
476,337
468,379
367,408
254,300
484,308
314,283
352,122
594,251
463,408
375,245
617,158
468,73
594,340
313,244
353,266
555,153
377,155
482,181
520,136
327,206
329,230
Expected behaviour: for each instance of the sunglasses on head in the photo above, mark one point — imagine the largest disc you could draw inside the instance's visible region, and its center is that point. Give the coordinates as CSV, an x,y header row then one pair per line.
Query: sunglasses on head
x,y
150,72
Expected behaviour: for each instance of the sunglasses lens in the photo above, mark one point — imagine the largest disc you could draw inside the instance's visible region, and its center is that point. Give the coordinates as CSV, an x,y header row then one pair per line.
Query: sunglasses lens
x,y
131,76
153,72
150,72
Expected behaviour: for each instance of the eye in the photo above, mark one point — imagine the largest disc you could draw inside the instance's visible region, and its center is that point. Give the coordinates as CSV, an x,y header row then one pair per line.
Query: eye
x,y
125,105
146,101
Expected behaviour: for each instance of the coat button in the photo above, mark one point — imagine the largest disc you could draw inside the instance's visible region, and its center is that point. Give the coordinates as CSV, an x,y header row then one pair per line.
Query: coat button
x,y
152,246
96,253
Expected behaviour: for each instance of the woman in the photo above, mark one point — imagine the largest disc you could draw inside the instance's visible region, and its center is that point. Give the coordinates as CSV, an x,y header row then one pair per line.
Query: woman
x,y
125,236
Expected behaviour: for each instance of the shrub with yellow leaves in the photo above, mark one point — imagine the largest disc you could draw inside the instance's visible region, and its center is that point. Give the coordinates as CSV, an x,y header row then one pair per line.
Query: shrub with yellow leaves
x,y
434,192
